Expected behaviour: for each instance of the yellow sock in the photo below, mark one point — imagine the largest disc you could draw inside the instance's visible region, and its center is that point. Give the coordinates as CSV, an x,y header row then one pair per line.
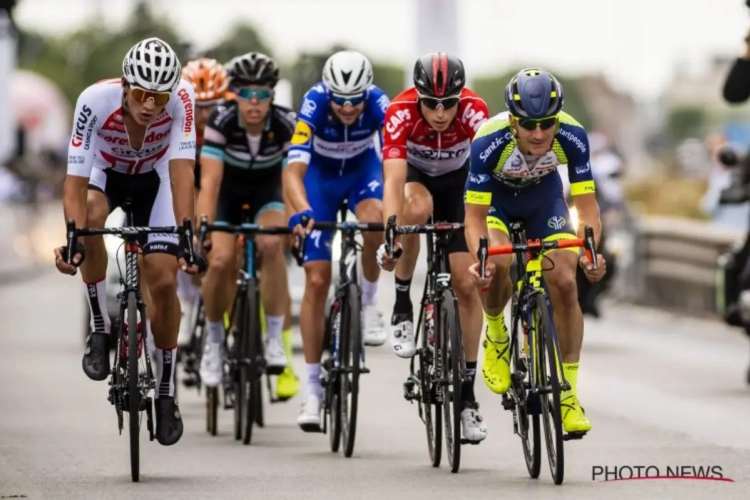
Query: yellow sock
x,y
286,337
496,330
571,375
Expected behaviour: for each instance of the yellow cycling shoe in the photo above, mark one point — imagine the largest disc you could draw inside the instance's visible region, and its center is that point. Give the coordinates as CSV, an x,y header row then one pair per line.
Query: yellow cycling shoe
x,y
496,365
287,384
574,416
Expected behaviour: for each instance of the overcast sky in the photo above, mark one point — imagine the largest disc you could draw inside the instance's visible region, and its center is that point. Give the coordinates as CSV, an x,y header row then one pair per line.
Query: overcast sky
x,y
635,43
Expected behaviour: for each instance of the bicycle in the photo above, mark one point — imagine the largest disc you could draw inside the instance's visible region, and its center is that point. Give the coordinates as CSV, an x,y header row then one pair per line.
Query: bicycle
x,y
131,377
439,361
537,378
346,357
246,363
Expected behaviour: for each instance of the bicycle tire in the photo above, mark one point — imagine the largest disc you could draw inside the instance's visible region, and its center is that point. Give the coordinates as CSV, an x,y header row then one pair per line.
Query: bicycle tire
x,y
239,375
452,358
427,375
212,410
532,448
253,336
332,398
350,344
545,343
259,417
134,393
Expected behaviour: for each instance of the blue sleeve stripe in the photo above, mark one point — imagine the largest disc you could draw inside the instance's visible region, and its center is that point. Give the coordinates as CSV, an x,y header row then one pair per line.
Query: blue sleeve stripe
x,y
212,152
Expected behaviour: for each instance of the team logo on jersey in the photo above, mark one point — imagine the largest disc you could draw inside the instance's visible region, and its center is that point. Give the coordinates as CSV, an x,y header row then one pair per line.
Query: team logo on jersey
x,y
302,133
81,121
187,102
308,108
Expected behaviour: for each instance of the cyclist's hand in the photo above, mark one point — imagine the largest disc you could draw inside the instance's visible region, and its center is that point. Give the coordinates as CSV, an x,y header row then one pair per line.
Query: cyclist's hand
x,y
489,272
206,246
593,275
196,268
62,264
295,223
385,262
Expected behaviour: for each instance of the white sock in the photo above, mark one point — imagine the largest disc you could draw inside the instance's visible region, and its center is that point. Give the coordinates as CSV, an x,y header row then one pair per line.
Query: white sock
x,y
165,365
313,379
97,298
150,340
274,325
369,292
215,331
186,289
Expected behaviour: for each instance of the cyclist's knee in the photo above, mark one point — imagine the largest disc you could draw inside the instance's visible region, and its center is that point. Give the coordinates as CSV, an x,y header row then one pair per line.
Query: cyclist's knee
x,y
162,286
271,248
318,278
503,264
97,209
417,206
563,285
463,285
220,260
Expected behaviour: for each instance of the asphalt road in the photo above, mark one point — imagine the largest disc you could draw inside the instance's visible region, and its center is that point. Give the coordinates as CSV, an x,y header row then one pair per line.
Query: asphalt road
x,y
661,391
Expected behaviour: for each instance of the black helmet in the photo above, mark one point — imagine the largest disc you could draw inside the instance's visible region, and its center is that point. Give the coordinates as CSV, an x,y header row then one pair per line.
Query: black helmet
x,y
439,75
252,68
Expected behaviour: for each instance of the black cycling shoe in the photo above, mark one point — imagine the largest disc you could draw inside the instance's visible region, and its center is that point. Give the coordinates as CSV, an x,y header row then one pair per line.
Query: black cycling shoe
x,y
96,356
168,421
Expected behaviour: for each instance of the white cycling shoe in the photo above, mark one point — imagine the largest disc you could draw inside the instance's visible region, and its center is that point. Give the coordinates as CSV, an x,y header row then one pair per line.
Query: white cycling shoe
x,y
309,416
274,352
374,328
402,336
473,427
212,364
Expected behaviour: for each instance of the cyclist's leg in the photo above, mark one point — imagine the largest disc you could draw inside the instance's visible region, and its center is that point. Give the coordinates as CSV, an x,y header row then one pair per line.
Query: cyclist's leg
x,y
366,201
160,266
416,210
552,222
325,197
274,284
216,287
102,198
496,344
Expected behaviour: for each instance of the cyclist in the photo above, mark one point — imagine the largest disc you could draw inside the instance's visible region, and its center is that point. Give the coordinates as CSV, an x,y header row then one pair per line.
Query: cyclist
x,y
514,176
134,138
245,148
333,158
210,82
428,131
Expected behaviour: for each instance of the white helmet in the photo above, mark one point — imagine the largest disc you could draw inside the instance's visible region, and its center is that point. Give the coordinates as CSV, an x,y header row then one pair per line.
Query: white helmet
x,y
152,65
347,72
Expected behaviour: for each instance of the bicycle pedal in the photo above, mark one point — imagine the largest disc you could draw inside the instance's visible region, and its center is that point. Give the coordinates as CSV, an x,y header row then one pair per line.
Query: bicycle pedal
x,y
466,441
311,428
364,370
508,403
275,370
571,436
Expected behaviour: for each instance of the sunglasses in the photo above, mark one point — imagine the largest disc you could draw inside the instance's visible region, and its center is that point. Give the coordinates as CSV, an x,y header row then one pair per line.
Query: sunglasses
x,y
434,102
343,100
543,123
260,94
142,95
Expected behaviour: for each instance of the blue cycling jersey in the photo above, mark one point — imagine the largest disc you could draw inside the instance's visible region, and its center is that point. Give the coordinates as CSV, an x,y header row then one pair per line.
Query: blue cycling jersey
x,y
321,139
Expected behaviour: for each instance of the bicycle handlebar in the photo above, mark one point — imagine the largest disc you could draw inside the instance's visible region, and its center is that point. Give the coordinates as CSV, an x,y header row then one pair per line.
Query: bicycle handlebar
x,y
537,246
392,230
298,251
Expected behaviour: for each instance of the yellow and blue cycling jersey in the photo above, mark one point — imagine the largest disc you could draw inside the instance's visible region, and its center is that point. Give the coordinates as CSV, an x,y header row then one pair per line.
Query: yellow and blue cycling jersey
x,y
516,186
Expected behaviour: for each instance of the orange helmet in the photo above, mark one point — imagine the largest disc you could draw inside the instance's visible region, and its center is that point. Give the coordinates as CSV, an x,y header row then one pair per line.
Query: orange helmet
x,y
209,78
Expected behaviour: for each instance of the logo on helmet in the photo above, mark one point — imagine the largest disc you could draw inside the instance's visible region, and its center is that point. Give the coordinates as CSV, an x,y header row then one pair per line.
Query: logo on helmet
x,y
188,103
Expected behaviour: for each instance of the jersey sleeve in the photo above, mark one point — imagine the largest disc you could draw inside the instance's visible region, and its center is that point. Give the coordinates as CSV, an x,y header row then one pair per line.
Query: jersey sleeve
x,y
86,123
310,113
574,143
182,136
399,118
474,115
288,119
486,148
214,135
379,102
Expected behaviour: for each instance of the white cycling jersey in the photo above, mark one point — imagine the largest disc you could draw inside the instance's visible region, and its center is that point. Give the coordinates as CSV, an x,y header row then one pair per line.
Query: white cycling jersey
x,y
99,139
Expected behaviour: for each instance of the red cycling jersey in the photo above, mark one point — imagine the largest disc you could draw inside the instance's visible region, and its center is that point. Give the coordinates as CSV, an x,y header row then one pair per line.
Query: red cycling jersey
x,y
408,136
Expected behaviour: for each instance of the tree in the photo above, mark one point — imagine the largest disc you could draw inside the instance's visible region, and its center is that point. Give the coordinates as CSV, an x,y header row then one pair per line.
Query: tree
x,y
241,39
685,122
492,90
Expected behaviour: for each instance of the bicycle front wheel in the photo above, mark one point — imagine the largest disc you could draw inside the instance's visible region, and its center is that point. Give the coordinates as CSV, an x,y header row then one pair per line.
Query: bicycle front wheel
x,y
453,368
254,369
549,383
428,375
134,393
350,354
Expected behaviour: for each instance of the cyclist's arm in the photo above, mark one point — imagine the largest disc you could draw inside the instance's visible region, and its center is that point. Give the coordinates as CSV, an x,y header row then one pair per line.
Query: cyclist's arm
x,y
212,170
380,102
81,152
182,153
582,185
398,123
301,149
486,148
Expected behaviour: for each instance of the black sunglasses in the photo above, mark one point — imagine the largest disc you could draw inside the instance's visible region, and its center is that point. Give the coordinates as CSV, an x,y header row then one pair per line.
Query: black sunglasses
x,y
543,123
434,102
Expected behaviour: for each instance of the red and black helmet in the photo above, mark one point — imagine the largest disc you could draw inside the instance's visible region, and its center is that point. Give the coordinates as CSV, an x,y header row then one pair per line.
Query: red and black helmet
x,y
439,75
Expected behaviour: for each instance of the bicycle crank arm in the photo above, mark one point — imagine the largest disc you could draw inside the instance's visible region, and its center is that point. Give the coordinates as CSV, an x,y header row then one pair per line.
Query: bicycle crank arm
x,y
573,436
149,419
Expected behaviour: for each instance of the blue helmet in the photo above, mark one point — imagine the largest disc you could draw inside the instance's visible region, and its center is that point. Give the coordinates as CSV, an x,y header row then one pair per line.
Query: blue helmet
x,y
534,93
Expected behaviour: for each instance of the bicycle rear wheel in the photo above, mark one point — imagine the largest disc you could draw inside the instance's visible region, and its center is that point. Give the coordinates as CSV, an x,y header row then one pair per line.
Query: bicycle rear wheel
x,y
254,349
350,356
239,368
453,368
549,379
332,399
427,376
134,393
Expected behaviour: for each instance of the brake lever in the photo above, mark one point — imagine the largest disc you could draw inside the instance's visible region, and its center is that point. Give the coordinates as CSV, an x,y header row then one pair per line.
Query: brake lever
x,y
298,250
72,241
482,256
590,244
